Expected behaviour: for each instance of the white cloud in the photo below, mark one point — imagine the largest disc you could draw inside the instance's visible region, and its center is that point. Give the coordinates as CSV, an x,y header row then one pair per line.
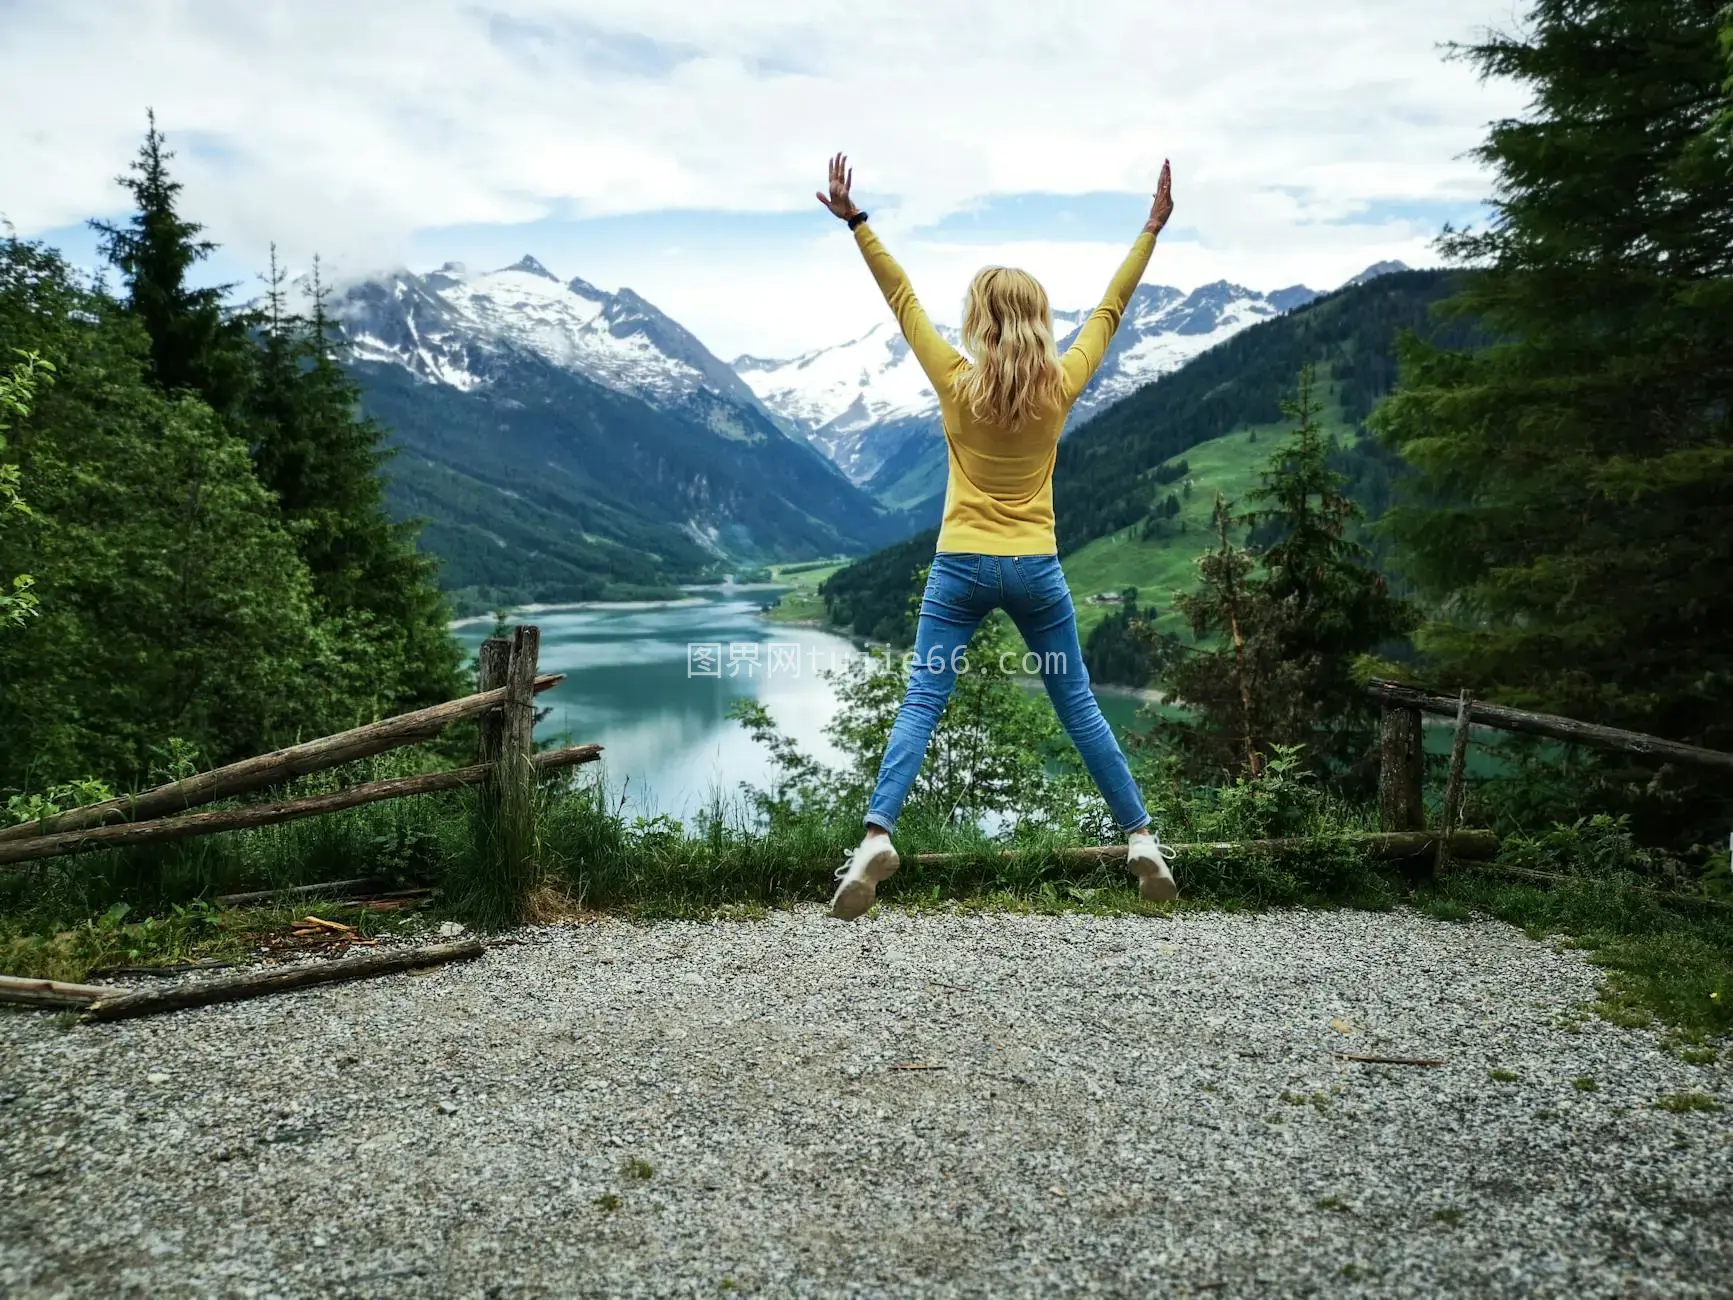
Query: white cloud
x,y
347,127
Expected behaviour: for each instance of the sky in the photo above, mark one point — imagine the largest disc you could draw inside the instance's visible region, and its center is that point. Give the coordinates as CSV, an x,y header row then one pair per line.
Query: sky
x,y
674,146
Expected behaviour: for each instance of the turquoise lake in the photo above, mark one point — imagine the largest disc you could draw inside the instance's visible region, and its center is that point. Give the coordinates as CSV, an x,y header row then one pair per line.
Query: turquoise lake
x,y
653,683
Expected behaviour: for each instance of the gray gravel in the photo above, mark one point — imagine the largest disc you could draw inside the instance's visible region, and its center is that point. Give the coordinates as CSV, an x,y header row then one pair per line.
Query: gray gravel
x,y
1127,1106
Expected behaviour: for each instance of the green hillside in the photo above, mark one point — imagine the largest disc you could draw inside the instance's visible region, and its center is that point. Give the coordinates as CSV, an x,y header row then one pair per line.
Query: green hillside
x,y
1105,477
1165,562
1159,565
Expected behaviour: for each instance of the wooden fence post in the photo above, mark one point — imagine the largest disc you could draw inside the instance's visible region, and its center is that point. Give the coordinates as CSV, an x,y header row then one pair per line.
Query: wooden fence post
x,y
1452,812
516,856
492,663
519,713
1401,771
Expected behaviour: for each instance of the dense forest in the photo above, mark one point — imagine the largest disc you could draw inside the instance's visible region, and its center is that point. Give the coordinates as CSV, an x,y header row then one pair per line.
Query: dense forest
x,y
211,565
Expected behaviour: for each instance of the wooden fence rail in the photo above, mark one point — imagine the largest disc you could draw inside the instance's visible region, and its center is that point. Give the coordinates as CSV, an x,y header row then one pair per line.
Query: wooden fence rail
x,y
1402,760
506,709
252,815
274,768
1393,695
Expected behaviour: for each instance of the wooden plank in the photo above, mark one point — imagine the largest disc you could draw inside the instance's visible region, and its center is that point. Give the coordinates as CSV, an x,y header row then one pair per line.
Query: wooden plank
x,y
270,769
258,984
1401,771
1548,724
1452,812
269,814
1474,844
53,993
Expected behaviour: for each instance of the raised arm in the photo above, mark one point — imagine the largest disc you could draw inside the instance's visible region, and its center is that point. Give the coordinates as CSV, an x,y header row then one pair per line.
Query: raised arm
x,y
1083,357
937,357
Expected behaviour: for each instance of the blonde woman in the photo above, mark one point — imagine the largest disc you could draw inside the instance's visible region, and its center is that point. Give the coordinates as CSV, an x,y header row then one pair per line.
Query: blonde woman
x,y
1002,412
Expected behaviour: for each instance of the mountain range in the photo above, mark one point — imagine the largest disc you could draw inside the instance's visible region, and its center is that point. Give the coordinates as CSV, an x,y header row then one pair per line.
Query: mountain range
x,y
561,438
567,443
859,402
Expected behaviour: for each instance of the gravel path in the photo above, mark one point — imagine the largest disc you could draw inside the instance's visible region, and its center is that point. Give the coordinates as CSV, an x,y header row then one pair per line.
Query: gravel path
x,y
1126,1106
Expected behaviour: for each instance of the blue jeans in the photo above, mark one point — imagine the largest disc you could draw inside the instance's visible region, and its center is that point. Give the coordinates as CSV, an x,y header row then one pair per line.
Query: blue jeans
x,y
961,591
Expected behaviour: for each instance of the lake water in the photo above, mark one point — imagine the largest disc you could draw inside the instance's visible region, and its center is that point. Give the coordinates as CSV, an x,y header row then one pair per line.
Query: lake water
x,y
652,683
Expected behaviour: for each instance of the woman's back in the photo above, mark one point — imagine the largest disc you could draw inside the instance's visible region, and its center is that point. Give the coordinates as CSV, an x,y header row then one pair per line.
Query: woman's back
x,y
999,491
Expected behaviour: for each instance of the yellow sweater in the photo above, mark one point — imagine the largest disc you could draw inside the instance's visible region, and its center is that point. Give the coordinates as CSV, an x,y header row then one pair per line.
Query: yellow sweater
x,y
999,493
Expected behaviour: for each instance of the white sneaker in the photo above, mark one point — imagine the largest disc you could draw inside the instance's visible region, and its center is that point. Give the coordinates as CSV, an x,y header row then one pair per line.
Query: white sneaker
x,y
858,878
1147,859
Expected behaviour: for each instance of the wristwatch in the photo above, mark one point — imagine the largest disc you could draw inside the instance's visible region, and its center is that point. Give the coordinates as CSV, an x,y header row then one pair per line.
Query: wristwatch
x,y
856,220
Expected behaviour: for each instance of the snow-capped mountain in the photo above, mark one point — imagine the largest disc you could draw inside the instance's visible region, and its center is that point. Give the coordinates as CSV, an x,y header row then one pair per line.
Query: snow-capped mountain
x,y
859,401
838,396
455,327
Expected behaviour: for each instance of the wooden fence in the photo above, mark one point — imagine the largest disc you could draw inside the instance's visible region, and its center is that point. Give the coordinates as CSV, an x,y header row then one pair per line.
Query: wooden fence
x,y
1402,760
505,706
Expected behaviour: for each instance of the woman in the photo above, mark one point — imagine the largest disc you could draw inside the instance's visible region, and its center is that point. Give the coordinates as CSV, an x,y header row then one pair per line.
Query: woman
x,y
1002,412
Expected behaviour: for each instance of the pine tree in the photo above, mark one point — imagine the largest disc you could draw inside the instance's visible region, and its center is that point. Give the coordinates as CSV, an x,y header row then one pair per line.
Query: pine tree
x,y
324,460
1293,616
194,344
18,386
1569,521
173,601
1221,688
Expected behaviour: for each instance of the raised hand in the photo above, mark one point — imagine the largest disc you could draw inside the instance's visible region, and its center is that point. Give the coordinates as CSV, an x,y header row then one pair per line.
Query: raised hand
x,y
841,178
1162,208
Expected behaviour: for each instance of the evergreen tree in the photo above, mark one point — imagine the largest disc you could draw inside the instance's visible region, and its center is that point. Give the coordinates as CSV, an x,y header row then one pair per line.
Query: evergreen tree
x,y
17,389
323,460
194,344
173,601
1330,603
1293,618
1570,515
1223,688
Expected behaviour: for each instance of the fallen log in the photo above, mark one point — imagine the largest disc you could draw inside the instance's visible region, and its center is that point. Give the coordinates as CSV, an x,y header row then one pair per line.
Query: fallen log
x,y
271,769
1547,724
53,993
269,814
1393,1060
259,984
1470,844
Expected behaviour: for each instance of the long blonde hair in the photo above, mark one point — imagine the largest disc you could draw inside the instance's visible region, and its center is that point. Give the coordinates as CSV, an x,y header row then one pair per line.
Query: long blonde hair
x,y
1008,330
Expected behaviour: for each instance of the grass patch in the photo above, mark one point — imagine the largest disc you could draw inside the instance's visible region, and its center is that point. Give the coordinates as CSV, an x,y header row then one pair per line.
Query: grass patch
x,y
1658,963
1682,1103
1585,1084
1502,1076
1449,1218
639,1171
